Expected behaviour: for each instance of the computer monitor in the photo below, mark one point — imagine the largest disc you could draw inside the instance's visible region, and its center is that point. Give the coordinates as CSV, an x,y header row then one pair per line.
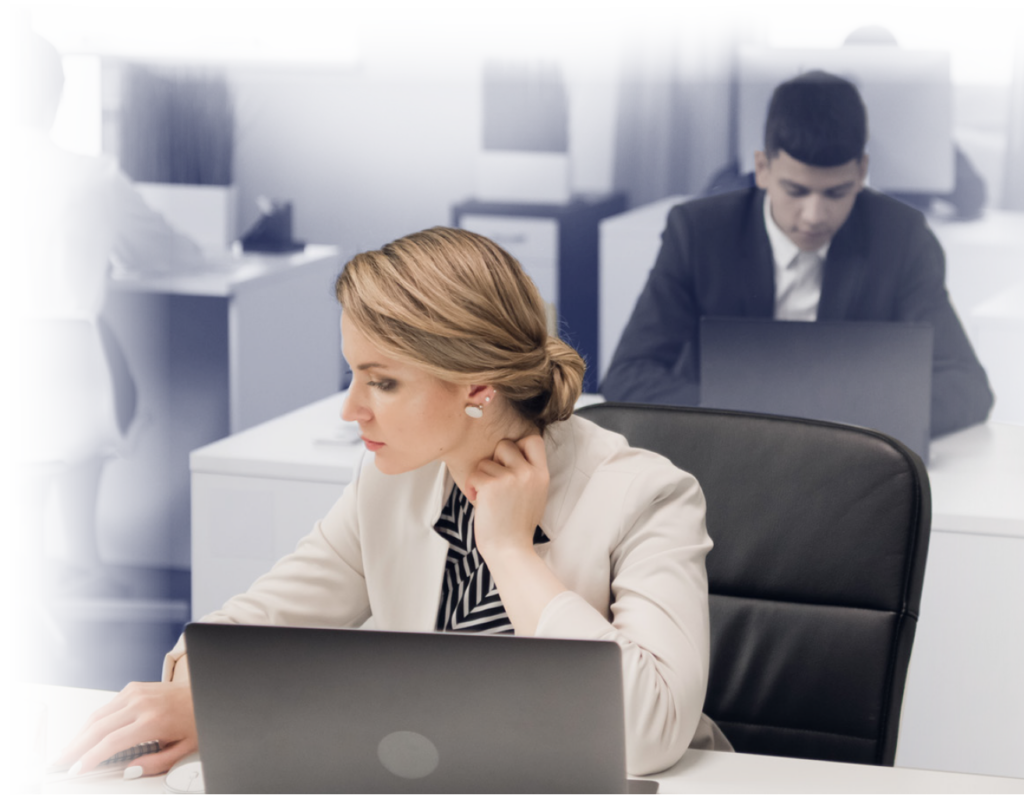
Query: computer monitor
x,y
908,95
78,125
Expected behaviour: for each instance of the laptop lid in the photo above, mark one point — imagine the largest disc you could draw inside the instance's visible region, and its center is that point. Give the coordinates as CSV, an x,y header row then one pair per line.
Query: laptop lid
x,y
283,709
876,375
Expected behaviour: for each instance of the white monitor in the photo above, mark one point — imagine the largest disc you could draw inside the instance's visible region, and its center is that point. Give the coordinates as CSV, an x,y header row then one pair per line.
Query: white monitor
x,y
908,95
78,125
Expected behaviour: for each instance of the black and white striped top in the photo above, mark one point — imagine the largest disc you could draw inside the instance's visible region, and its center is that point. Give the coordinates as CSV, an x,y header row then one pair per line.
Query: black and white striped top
x,y
469,599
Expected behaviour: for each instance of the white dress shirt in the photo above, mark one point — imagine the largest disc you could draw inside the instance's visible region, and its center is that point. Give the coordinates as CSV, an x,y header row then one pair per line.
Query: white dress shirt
x,y
797,273
70,216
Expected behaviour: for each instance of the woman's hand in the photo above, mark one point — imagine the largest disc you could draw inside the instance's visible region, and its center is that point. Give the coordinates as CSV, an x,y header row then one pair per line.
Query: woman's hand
x,y
509,493
142,712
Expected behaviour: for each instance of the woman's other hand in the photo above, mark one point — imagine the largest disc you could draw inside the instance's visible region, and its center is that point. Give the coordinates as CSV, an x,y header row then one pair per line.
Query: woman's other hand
x,y
509,493
142,712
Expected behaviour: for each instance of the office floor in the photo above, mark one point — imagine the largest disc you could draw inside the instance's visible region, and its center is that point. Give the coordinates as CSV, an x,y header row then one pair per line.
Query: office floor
x,y
108,635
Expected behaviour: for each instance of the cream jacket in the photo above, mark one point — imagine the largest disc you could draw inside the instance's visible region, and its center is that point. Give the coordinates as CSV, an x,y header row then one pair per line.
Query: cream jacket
x,y
627,538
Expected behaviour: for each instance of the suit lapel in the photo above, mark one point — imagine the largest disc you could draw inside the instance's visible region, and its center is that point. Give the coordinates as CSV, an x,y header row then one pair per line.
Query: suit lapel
x,y
757,265
845,269
411,561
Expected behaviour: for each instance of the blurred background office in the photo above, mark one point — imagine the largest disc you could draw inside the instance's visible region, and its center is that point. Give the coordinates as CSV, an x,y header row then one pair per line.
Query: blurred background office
x,y
371,119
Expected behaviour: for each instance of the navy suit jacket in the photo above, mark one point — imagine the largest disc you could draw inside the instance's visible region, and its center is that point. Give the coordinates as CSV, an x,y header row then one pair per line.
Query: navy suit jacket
x,y
715,259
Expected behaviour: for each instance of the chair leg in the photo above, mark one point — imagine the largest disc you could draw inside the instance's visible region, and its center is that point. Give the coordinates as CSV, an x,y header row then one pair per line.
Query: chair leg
x,y
38,587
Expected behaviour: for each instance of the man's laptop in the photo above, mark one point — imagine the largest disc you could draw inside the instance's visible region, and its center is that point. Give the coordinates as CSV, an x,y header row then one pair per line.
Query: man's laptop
x,y
281,709
876,375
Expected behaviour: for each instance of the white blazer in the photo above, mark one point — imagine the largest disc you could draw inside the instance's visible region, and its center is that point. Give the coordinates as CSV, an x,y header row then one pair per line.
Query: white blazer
x,y
627,538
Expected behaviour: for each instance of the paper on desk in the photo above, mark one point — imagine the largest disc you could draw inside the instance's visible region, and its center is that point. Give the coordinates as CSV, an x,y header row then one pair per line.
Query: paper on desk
x,y
341,434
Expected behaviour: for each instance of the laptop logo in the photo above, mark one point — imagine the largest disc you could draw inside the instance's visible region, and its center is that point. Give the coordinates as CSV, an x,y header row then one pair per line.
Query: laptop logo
x,y
408,755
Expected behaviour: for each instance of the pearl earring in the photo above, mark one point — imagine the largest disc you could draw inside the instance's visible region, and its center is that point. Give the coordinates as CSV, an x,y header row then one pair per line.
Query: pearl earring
x,y
476,412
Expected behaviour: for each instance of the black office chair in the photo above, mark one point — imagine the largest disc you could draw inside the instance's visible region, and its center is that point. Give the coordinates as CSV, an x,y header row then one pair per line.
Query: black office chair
x,y
821,534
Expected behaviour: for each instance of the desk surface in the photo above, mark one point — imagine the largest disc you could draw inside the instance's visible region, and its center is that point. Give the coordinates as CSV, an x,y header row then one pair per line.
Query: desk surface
x,y
976,476
227,275
698,771
975,473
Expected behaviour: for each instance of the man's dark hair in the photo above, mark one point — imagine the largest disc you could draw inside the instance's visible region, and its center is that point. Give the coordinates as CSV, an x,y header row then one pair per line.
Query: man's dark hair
x,y
36,75
818,119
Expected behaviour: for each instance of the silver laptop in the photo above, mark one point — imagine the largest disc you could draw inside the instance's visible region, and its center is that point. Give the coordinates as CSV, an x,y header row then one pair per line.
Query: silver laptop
x,y
282,709
876,375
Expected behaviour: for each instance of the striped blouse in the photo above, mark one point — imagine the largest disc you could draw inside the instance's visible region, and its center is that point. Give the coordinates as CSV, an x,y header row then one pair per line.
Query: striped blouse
x,y
469,598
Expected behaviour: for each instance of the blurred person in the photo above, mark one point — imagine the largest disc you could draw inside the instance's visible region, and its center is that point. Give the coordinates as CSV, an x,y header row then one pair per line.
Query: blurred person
x,y
808,242
78,217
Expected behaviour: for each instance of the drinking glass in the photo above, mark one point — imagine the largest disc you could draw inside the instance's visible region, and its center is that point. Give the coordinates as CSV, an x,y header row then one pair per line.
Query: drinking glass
x,y
28,746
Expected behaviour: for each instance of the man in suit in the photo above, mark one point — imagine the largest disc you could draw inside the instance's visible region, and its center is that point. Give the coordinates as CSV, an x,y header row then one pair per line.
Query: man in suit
x,y
808,242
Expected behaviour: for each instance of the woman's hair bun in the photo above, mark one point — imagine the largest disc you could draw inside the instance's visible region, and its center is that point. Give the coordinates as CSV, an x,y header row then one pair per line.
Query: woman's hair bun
x,y
566,368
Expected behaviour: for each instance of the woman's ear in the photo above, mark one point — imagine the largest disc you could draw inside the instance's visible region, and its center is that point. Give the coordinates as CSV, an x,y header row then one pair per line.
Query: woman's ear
x,y
481,394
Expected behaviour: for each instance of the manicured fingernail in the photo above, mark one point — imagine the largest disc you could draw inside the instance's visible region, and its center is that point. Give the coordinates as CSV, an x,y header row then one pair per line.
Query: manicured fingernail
x,y
133,772
73,770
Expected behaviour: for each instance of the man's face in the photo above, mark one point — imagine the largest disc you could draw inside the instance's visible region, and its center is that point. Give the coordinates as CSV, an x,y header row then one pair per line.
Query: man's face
x,y
809,203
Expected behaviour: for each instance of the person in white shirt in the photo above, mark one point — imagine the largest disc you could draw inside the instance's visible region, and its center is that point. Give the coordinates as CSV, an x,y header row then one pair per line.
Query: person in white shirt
x,y
810,242
72,216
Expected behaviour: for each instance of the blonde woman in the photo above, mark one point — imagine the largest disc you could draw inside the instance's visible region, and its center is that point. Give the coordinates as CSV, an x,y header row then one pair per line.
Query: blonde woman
x,y
481,480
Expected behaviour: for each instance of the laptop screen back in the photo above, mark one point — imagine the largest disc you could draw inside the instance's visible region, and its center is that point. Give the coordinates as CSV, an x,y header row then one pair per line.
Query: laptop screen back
x,y
876,375
281,709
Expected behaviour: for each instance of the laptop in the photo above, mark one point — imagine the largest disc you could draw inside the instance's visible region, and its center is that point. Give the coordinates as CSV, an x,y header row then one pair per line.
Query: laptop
x,y
284,709
872,374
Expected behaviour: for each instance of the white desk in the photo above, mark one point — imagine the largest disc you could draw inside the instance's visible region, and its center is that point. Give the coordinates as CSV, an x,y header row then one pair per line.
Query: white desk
x,y
212,353
983,263
697,771
964,698
257,493
996,329
983,256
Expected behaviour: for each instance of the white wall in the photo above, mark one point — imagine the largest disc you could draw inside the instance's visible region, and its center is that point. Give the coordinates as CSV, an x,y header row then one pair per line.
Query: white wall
x,y
368,157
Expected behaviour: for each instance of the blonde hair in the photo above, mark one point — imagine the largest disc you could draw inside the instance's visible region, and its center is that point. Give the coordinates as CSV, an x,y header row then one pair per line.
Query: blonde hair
x,y
460,307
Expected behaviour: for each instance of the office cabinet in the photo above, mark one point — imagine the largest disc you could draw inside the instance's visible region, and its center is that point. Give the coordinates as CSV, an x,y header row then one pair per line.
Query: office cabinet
x,y
557,245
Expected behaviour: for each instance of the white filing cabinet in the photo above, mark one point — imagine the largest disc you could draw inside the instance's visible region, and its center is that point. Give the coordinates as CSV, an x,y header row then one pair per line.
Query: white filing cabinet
x,y
532,241
557,245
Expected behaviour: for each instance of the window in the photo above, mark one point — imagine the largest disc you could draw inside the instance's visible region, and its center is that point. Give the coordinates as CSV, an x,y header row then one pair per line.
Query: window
x,y
979,36
211,32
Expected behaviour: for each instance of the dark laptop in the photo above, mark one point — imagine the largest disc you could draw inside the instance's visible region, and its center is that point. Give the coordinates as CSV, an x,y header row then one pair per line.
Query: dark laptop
x,y
320,710
876,375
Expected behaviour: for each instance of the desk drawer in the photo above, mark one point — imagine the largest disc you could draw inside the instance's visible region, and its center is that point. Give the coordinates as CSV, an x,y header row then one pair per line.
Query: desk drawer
x,y
544,274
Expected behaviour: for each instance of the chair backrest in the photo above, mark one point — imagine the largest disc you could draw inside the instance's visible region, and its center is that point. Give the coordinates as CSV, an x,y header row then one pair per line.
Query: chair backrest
x,y
821,535
61,399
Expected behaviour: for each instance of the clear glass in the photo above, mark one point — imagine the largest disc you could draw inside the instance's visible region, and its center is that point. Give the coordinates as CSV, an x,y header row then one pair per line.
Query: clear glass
x,y
28,746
